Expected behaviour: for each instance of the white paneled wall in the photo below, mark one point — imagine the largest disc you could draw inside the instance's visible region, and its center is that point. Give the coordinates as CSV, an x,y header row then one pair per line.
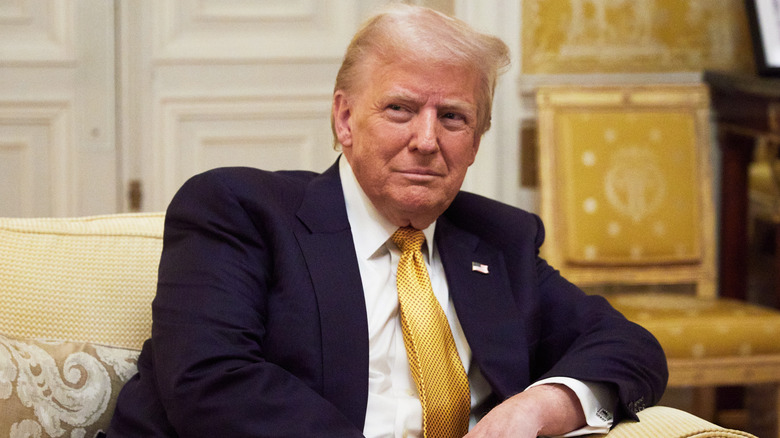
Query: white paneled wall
x,y
496,172
231,83
191,31
37,32
57,153
97,94
35,153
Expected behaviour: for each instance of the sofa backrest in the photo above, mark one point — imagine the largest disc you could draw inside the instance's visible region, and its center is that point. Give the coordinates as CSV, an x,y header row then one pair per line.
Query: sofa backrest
x,y
89,279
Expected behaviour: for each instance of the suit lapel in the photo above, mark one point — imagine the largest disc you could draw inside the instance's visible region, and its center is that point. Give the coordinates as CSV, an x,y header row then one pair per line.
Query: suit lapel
x,y
330,257
485,307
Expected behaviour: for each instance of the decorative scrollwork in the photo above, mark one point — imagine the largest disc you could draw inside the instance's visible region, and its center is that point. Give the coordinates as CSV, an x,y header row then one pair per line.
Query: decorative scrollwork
x,y
64,398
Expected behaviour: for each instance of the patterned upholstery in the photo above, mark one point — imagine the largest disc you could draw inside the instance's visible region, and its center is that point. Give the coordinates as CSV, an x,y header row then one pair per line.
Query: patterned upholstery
x,y
627,200
629,189
75,307
691,328
625,185
60,388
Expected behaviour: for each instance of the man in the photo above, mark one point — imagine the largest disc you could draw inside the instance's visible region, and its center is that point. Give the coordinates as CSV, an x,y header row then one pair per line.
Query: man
x,y
277,312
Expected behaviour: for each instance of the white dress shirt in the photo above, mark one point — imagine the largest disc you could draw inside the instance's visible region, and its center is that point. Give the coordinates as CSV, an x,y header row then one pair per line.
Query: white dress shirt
x,y
394,408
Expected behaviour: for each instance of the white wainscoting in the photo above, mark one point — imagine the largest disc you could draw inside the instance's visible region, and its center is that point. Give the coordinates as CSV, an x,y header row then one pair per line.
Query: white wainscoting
x,y
57,108
154,91
35,158
272,133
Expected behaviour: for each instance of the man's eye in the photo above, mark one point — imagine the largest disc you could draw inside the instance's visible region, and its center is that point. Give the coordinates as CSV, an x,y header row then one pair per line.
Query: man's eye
x,y
395,107
454,117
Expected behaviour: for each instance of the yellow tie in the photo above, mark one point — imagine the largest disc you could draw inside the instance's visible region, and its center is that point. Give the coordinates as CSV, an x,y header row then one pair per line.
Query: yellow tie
x,y
433,359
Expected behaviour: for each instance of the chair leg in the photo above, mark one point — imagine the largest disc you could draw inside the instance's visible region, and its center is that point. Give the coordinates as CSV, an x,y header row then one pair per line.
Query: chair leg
x,y
772,418
777,265
777,408
763,405
704,402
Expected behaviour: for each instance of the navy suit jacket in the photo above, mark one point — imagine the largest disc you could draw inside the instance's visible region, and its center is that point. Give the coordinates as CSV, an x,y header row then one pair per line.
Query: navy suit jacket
x,y
260,325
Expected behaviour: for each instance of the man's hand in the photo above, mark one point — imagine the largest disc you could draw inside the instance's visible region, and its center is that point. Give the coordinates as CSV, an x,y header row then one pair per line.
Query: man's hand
x,y
550,409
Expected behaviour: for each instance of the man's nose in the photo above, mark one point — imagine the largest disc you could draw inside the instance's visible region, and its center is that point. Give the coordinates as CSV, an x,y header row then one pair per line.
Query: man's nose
x,y
426,140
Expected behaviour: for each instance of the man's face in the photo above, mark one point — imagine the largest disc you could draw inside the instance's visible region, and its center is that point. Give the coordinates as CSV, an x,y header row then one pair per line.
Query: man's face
x,y
409,136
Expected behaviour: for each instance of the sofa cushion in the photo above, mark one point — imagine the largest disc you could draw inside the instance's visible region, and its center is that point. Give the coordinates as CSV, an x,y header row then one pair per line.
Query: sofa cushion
x,y
81,279
60,389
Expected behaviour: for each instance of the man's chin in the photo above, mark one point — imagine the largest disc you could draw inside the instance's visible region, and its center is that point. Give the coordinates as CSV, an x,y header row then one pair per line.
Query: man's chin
x,y
418,205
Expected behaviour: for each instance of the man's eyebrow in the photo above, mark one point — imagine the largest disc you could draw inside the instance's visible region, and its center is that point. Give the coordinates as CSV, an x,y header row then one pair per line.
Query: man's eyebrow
x,y
459,105
402,95
447,104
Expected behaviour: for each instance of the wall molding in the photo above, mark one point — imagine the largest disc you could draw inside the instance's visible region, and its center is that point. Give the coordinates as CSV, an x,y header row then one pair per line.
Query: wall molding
x,y
230,31
56,117
31,39
198,123
16,153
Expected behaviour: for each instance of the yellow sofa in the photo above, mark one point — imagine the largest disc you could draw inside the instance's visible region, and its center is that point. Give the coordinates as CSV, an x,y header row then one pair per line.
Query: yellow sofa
x,y
75,298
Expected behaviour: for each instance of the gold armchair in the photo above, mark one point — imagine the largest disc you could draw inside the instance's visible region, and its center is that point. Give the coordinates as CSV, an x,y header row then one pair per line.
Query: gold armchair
x,y
626,194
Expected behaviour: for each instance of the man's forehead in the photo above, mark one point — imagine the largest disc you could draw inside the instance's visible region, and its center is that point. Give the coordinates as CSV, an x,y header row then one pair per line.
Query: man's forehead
x,y
409,56
395,75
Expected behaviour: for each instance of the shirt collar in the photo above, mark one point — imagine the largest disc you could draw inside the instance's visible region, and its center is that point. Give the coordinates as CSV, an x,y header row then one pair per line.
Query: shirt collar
x,y
370,230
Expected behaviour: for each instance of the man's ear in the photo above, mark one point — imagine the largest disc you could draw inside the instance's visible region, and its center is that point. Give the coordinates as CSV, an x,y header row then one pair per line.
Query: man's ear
x,y
341,118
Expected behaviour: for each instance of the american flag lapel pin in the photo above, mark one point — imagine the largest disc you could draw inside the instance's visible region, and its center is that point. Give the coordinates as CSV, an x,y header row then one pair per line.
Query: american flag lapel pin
x,y
479,267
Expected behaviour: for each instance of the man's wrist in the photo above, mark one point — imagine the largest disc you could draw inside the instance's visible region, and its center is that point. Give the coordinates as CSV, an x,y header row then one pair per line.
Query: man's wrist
x,y
558,408
597,401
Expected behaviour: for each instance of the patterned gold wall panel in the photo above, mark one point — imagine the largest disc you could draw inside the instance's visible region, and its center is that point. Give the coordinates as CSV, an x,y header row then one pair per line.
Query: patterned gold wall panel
x,y
629,36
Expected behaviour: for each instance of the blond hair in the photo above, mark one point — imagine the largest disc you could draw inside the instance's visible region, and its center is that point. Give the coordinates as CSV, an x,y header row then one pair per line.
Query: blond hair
x,y
414,33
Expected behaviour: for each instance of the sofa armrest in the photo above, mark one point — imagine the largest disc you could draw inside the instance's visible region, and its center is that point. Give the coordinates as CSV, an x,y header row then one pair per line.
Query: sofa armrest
x,y
662,421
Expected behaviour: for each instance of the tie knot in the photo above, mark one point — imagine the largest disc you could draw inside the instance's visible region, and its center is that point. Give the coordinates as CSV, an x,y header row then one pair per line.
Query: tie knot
x,y
408,239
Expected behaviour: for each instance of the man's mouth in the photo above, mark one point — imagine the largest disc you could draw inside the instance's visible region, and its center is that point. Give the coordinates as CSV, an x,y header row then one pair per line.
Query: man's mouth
x,y
421,175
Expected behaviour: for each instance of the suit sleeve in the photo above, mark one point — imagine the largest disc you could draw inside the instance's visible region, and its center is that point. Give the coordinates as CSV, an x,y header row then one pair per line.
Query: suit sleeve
x,y
583,337
210,315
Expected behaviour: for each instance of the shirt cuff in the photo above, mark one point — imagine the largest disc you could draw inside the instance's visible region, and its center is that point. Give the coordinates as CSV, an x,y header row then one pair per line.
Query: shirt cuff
x,y
597,402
